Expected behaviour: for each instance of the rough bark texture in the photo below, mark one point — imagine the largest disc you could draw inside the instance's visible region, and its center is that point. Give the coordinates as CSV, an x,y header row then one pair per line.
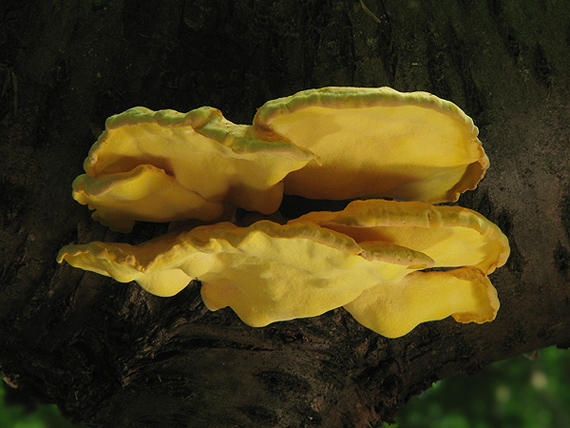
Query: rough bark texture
x,y
112,355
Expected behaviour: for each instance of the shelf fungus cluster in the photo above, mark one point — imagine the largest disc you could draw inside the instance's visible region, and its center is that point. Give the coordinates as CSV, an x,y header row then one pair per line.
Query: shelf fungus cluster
x,y
392,264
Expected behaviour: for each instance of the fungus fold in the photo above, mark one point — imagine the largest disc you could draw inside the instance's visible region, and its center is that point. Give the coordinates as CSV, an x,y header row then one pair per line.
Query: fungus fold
x,y
451,236
393,309
166,166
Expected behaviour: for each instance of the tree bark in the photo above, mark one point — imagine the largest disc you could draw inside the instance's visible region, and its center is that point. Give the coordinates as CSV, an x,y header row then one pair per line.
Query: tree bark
x,y
112,355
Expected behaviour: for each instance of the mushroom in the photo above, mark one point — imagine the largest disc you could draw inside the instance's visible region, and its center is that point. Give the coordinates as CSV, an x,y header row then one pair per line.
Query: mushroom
x,y
377,142
166,166
269,272
330,143
266,272
169,166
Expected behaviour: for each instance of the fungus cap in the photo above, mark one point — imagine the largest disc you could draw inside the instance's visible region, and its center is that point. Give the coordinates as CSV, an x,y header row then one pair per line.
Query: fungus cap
x,y
165,166
266,272
377,142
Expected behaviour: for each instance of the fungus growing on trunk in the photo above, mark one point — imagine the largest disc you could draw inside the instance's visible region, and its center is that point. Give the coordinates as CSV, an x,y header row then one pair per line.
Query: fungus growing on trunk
x,y
167,166
452,236
269,272
331,143
266,272
377,142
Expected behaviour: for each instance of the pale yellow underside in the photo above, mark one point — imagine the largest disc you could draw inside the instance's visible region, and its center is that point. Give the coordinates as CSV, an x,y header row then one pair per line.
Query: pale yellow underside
x,y
393,309
297,279
405,152
145,193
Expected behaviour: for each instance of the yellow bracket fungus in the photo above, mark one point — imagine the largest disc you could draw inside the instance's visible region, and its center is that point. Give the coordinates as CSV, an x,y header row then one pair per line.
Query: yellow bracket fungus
x,y
330,143
451,236
167,166
269,272
266,272
377,142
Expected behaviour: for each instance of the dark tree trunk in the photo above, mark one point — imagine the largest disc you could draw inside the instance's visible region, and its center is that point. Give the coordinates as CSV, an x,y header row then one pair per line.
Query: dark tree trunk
x,y
114,356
